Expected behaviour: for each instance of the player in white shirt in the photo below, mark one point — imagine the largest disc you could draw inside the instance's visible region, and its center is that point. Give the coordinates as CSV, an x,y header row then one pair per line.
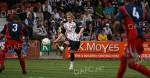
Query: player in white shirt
x,y
73,33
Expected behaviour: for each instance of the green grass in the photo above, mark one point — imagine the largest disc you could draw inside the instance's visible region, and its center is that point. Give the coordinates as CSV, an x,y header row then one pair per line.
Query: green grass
x,y
59,69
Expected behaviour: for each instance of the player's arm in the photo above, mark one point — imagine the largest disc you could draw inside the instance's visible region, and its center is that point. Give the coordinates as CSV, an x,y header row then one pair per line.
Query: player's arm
x,y
81,31
27,41
63,31
3,32
79,27
26,34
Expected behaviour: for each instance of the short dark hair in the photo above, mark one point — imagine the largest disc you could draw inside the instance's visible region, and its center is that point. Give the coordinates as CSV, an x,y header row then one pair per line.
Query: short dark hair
x,y
102,30
37,18
16,17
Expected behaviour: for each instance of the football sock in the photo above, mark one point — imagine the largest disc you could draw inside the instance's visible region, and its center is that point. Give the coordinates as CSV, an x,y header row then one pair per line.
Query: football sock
x,y
2,57
22,63
140,68
122,68
71,56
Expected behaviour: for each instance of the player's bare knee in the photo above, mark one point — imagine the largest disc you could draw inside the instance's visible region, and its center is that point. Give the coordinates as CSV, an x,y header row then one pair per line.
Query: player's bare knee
x,y
66,43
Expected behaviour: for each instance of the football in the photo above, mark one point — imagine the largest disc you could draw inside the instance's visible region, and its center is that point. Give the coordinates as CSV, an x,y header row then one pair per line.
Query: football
x,y
61,48
46,41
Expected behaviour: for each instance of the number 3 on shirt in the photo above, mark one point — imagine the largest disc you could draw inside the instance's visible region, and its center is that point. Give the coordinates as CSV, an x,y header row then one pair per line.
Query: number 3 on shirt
x,y
135,13
15,27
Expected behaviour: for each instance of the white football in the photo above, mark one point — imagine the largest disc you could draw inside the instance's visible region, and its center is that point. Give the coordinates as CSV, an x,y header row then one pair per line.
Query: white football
x,y
61,48
46,41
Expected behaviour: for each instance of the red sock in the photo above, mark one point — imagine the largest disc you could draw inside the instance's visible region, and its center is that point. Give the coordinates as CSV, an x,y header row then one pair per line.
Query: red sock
x,y
140,68
2,57
22,63
122,68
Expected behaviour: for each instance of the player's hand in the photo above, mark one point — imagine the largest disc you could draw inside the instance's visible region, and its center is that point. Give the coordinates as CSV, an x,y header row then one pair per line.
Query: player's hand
x,y
55,41
78,36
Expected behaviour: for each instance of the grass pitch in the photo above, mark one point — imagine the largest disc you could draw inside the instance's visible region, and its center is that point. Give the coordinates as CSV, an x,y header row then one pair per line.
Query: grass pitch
x,y
59,69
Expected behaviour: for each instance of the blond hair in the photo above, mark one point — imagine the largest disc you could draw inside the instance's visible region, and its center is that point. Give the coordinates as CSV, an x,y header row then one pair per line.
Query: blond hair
x,y
69,14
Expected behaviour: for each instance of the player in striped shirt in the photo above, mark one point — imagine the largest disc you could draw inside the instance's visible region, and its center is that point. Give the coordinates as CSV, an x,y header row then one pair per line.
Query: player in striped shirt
x,y
73,33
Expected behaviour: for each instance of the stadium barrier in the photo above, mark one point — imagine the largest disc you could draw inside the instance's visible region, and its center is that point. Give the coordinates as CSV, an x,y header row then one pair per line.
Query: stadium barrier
x,y
88,49
109,49
32,52
11,53
49,48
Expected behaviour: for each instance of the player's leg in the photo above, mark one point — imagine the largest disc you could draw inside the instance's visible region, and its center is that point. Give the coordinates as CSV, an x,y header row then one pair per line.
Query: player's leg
x,y
71,59
21,60
123,65
137,47
64,45
2,56
74,47
140,68
69,43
